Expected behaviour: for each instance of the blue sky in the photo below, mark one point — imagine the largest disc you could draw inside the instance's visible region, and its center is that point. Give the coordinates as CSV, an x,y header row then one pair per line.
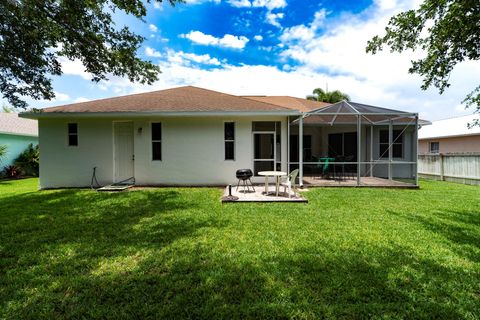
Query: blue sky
x,y
275,47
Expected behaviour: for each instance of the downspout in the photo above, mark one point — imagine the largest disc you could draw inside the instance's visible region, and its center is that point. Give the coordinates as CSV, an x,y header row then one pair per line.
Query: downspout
x,y
300,150
390,149
288,144
416,150
359,147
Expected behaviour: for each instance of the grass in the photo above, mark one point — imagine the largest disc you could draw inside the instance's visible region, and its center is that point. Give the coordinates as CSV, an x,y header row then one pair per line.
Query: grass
x,y
179,253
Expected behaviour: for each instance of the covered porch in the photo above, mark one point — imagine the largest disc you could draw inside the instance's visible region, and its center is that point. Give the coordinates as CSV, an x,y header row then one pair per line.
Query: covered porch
x,y
349,144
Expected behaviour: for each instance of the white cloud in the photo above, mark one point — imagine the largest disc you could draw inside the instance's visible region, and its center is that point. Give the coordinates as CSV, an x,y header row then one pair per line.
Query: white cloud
x,y
240,3
150,52
227,41
272,18
304,33
270,4
81,99
74,67
182,58
258,38
61,97
153,28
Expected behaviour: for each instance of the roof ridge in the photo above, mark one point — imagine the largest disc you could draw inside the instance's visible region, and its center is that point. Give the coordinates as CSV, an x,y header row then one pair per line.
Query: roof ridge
x,y
240,97
456,117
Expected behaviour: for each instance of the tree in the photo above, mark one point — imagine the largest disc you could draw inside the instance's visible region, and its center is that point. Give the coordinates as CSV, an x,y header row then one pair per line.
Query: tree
x,y
35,34
29,160
449,32
7,109
3,152
328,96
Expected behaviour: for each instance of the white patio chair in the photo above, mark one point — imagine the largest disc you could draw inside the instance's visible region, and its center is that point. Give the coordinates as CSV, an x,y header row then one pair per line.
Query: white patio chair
x,y
290,183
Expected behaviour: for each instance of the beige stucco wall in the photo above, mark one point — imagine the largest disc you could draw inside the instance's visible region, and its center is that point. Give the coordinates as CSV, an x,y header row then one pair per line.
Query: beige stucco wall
x,y
192,151
464,144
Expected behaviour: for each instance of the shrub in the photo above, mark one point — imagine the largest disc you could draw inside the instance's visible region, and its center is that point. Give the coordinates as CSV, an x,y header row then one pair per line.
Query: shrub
x,y
28,160
12,172
3,152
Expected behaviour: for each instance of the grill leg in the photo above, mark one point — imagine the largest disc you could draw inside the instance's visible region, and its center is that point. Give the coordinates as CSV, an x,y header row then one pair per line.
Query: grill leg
x,y
238,184
251,185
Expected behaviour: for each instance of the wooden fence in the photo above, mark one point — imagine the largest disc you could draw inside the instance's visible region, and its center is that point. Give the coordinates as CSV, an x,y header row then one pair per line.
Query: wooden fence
x,y
455,167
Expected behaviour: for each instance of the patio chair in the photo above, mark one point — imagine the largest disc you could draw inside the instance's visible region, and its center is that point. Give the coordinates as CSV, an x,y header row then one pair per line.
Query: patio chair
x,y
290,183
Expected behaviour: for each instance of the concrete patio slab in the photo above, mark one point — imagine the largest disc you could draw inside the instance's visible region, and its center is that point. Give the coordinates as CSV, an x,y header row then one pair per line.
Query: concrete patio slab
x,y
259,195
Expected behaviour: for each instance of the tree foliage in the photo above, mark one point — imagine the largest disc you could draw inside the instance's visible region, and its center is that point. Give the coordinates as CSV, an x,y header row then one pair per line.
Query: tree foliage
x,y
3,152
328,96
447,30
28,160
35,34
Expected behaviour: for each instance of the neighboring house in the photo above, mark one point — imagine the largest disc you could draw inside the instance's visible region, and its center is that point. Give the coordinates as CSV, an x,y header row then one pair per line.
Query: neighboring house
x,y
193,136
450,136
450,150
16,133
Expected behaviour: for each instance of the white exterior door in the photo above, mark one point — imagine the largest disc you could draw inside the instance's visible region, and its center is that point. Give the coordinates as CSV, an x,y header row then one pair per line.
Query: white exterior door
x,y
123,154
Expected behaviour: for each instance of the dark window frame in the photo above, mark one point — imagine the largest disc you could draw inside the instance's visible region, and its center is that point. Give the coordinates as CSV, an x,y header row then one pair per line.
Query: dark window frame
x,y
72,134
156,141
397,144
229,141
437,149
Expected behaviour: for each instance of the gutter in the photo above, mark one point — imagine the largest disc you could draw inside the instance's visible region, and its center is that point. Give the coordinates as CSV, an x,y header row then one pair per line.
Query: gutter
x,y
49,115
451,136
19,134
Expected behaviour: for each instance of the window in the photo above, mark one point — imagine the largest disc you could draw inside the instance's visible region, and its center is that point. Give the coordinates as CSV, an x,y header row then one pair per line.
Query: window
x,y
434,147
307,148
343,146
229,136
397,144
73,134
157,141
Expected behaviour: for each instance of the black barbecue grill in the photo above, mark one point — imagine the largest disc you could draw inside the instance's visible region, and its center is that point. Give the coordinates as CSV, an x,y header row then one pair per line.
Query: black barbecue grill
x,y
243,176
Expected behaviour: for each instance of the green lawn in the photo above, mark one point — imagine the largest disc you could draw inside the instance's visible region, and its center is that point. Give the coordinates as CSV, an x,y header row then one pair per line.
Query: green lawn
x,y
180,253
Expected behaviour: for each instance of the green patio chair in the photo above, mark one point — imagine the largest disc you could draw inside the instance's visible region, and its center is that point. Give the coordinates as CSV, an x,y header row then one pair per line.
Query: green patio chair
x,y
290,183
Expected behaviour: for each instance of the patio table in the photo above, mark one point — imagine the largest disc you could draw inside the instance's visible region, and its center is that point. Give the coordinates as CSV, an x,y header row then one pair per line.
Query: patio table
x,y
277,175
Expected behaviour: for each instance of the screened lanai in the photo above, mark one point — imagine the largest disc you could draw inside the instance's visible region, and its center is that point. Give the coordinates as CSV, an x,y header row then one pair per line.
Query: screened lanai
x,y
353,144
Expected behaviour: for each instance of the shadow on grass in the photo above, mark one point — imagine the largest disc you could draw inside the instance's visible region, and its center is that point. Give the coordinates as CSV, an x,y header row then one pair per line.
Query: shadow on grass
x,y
386,283
460,228
80,254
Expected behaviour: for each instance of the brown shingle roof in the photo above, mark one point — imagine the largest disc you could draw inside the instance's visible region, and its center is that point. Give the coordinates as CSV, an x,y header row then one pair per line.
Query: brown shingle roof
x,y
182,99
10,123
294,103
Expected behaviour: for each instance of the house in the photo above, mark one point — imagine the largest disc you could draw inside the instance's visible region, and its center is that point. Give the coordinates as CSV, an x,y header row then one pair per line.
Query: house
x,y
450,136
194,136
450,150
16,133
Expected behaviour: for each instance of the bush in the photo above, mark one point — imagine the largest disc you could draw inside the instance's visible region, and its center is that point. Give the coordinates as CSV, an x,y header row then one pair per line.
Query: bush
x,y
3,152
12,172
28,160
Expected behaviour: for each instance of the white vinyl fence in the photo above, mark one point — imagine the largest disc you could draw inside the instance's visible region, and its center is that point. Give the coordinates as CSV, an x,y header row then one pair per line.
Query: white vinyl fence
x,y
455,167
